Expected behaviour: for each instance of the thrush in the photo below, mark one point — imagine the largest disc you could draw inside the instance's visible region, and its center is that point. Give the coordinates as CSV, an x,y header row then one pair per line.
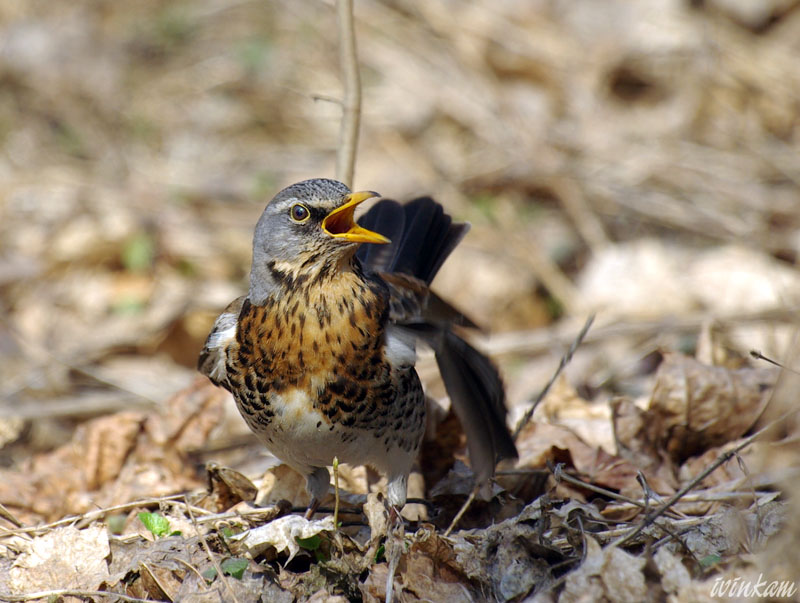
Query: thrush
x,y
320,354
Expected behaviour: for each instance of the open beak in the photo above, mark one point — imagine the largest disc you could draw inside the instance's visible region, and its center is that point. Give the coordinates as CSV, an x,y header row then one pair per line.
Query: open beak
x,y
340,224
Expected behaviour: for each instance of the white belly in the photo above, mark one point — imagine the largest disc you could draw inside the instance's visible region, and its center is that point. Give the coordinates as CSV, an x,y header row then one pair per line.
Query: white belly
x,y
305,439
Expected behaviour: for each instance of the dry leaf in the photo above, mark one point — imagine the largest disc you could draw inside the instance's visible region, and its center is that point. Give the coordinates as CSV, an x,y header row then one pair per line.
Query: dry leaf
x,y
539,442
281,534
226,488
508,558
116,459
695,407
674,575
606,574
283,483
61,558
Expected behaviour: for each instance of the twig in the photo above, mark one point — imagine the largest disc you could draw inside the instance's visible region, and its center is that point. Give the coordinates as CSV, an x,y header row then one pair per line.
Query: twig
x,y
550,275
351,104
564,362
759,356
191,568
540,340
460,513
69,592
92,515
559,475
607,535
702,496
335,492
204,542
9,517
580,212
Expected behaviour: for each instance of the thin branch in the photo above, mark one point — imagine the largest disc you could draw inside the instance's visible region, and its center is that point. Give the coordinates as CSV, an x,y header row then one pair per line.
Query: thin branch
x,y
564,362
351,105
461,512
91,515
204,541
69,592
537,341
560,475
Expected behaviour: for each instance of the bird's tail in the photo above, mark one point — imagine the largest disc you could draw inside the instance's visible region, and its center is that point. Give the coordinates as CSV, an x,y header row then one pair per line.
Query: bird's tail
x,y
478,397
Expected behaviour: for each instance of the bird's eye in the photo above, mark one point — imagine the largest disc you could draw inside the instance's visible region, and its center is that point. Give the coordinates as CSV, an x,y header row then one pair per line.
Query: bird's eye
x,y
299,212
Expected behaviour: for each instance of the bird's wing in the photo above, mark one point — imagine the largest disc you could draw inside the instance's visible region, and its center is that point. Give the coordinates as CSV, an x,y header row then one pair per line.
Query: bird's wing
x,y
213,355
411,301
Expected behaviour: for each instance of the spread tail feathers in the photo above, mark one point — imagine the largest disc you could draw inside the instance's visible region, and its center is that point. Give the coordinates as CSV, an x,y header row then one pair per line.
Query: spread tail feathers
x,y
478,397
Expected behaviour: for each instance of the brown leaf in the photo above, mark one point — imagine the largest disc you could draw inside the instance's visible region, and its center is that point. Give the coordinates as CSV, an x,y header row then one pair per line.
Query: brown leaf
x,y
507,559
283,483
606,574
106,444
226,488
62,558
539,442
695,407
115,459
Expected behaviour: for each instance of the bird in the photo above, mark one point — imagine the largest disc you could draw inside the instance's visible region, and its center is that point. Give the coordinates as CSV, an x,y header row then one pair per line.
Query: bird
x,y
320,354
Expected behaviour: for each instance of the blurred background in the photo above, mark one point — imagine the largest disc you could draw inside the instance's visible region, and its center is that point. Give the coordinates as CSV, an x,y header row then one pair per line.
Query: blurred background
x,y
635,159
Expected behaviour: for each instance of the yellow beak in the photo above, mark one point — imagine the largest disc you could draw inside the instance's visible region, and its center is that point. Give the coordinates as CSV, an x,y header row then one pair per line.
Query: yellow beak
x,y
340,224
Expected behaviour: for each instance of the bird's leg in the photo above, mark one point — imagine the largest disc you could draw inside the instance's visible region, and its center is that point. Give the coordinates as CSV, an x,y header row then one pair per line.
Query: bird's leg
x,y
312,508
317,483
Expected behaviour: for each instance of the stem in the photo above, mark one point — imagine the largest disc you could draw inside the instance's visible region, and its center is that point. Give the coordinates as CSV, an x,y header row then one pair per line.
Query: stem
x,y
351,104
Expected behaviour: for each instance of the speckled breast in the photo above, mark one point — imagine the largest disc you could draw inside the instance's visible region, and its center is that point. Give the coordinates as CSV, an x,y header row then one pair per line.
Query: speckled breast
x,y
309,369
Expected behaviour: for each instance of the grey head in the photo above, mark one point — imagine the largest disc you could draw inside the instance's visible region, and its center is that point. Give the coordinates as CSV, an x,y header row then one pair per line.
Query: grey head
x,y
305,226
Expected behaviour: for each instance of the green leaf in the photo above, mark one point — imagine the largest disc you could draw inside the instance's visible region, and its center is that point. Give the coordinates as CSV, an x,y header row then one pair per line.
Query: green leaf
x,y
311,543
116,523
379,553
321,556
157,524
710,560
234,567
210,574
139,253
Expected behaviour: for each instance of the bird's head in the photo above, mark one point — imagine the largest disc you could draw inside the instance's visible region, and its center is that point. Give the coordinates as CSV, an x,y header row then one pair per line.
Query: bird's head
x,y
306,226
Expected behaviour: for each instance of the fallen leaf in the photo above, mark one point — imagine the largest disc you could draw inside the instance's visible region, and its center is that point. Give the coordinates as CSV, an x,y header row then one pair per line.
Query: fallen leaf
x,y
62,558
606,574
281,534
695,407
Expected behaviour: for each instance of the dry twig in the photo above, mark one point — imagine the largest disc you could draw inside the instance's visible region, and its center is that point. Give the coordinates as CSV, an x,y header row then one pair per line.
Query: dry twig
x,y
68,592
204,541
351,104
565,359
